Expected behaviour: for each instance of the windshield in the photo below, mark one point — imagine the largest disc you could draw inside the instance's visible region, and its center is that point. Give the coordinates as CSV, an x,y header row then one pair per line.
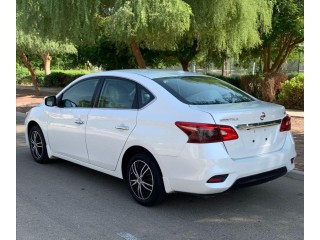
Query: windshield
x,y
201,90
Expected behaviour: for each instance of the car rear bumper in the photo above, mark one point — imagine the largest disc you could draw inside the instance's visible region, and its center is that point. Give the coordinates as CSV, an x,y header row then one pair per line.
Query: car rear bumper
x,y
190,171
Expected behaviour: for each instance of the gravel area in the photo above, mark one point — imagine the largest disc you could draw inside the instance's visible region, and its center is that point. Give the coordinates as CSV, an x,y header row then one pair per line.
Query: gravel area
x,y
26,99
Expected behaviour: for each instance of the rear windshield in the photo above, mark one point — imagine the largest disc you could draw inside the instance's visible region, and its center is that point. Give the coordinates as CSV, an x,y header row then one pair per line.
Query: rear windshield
x,y
198,90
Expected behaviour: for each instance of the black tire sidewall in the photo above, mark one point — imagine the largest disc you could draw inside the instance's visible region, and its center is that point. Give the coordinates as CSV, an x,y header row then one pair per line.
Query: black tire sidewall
x,y
158,193
44,156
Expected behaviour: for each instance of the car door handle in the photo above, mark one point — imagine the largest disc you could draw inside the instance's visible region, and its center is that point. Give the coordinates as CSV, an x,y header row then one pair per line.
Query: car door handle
x,y
122,127
79,121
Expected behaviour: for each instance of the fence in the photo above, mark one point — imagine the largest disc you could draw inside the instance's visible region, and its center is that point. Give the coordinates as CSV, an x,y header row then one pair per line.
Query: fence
x,y
231,70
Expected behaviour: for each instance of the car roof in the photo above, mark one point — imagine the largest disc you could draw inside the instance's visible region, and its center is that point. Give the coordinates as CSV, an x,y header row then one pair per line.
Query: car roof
x,y
154,73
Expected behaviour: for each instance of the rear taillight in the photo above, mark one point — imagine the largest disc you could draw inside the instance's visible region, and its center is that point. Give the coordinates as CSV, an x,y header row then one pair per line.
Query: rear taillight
x,y
207,133
285,124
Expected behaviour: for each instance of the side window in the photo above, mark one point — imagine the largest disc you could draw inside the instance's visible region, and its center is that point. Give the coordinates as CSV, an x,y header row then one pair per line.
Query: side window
x,y
80,95
145,96
117,93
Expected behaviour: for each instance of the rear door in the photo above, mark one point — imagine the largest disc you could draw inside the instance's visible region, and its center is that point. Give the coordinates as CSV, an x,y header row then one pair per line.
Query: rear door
x,y
110,123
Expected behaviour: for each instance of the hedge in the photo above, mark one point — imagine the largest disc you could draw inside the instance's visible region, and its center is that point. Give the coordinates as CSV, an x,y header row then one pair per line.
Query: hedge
x,y
55,79
235,81
59,79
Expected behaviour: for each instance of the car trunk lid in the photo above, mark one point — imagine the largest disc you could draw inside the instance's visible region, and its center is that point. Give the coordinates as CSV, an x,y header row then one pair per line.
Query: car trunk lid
x,y
257,123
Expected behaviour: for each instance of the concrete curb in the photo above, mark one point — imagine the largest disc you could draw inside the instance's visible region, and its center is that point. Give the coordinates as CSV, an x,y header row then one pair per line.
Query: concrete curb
x,y
20,114
295,113
296,116
295,174
42,89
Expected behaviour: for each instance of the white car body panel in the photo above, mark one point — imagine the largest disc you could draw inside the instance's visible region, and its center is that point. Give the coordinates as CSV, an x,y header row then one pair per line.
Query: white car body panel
x,y
104,137
200,162
254,141
66,137
185,167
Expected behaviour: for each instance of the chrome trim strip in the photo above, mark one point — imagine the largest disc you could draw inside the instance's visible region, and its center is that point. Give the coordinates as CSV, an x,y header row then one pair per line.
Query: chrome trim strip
x,y
257,125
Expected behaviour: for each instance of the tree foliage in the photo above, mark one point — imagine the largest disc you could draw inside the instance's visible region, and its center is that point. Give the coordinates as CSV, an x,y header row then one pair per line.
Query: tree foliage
x,y
224,28
213,29
34,44
286,35
154,24
59,20
106,54
231,25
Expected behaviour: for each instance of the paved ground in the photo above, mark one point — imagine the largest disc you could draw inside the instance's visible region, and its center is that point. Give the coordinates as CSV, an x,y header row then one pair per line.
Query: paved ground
x,y
62,200
26,98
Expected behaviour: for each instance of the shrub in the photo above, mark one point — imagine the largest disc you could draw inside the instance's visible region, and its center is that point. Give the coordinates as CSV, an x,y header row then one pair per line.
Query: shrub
x,y
23,80
292,93
252,84
292,75
263,86
72,72
271,86
24,77
59,79
235,81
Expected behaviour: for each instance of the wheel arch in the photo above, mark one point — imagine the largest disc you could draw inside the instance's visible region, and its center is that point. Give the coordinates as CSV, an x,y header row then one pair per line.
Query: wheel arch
x,y
130,152
31,124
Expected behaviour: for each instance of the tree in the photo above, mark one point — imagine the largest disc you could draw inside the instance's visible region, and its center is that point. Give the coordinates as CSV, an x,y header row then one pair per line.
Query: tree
x,y
286,35
187,48
154,24
106,54
224,28
59,20
33,44
51,23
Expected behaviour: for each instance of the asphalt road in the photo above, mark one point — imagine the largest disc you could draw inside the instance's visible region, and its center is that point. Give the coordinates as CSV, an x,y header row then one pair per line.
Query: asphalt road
x,y
62,200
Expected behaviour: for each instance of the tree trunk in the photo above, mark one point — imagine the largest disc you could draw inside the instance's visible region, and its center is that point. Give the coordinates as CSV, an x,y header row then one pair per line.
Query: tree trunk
x,y
46,61
31,70
266,60
223,70
184,64
288,43
186,52
137,54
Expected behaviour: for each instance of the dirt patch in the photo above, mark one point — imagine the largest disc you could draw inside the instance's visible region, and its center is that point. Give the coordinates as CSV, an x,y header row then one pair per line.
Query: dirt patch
x,y
297,128
26,99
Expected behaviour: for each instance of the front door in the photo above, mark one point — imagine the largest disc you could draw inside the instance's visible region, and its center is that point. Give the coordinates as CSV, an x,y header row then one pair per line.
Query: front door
x,y
67,123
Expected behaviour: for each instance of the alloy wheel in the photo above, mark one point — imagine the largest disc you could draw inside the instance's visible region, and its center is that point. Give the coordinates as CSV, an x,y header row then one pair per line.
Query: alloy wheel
x,y
141,180
36,144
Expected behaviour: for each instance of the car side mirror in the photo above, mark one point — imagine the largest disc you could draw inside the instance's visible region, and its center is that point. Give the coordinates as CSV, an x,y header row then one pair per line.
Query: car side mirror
x,y
50,101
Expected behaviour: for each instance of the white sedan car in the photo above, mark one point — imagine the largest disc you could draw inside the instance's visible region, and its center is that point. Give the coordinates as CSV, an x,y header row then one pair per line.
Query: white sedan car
x,y
163,132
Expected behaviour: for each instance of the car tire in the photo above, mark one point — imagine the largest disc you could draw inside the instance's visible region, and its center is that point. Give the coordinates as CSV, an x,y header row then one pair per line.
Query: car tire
x,y
37,145
144,180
